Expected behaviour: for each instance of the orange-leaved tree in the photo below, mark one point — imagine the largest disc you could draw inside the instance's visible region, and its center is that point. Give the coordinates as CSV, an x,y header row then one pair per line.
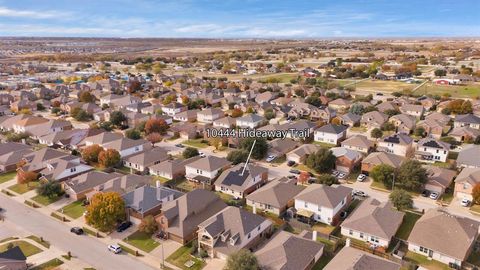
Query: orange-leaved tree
x,y
104,210
109,158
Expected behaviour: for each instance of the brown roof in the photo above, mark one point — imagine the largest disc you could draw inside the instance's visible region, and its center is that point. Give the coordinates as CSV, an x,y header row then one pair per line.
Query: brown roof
x,y
209,163
328,196
378,158
353,259
277,193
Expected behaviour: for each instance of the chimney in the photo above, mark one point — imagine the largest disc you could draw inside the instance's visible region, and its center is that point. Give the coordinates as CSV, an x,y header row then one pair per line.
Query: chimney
x,y
347,242
314,235
254,208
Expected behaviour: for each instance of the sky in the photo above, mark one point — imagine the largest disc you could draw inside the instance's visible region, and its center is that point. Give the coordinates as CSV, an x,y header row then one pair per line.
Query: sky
x,y
240,18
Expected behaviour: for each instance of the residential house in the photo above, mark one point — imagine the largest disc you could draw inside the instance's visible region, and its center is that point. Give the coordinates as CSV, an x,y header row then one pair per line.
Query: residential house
x,y
225,122
373,222
412,109
121,184
127,147
68,139
147,200
173,108
350,119
11,153
13,259
239,180
435,124
64,168
209,115
467,120
464,134
79,186
466,180
339,104
180,218
230,230
346,159
377,158
351,258
171,169
250,121
404,123
439,179
274,197
52,126
280,147
358,143
289,251
300,154
444,237
330,134
322,203
205,169
432,150
38,160
468,157
399,144
142,161
186,116
27,124
373,119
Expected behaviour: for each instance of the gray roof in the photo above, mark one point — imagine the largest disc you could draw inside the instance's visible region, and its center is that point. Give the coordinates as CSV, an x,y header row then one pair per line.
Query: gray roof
x,y
233,178
277,193
149,157
251,118
349,258
378,158
185,213
12,153
332,128
87,181
469,175
209,163
286,251
467,118
147,197
345,152
398,138
445,233
358,141
375,218
439,176
327,196
468,156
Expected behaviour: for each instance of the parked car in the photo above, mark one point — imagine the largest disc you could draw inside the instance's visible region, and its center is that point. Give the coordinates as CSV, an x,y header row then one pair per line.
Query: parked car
x,y
434,195
361,177
342,175
123,226
202,154
359,193
294,171
290,163
335,173
292,177
465,202
425,193
77,230
343,214
115,249
270,158
179,145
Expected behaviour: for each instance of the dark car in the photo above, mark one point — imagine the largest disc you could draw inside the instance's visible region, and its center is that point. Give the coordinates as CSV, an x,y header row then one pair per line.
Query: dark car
x,y
295,171
179,145
123,226
425,193
290,163
77,230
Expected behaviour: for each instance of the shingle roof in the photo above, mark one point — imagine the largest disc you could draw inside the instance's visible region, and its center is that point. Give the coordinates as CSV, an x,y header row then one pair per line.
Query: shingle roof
x,y
467,118
277,193
234,180
469,156
398,138
328,196
332,128
358,141
349,258
147,197
378,158
209,163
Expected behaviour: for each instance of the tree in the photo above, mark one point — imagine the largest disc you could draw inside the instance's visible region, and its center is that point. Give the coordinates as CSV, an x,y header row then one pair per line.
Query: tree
x,y
260,149
107,125
401,199
419,131
117,118
133,134
388,126
236,113
237,156
303,177
269,114
79,114
154,138
104,210
411,175
242,260
109,158
383,173
190,152
327,179
50,189
440,72
357,109
215,142
322,161
86,97
90,153
476,194
148,225
25,177
156,125
376,133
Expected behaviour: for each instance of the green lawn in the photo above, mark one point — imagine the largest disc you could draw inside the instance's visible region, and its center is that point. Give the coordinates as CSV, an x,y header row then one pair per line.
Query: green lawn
x,y
474,258
52,264
142,241
24,188
8,239
197,143
329,245
44,200
27,248
181,256
407,225
475,209
324,260
379,186
4,177
74,210
302,167
280,77
425,262
38,240
458,91
162,180
325,145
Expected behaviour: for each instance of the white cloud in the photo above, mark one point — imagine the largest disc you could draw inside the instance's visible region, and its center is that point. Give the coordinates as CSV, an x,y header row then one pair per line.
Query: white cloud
x,y
13,13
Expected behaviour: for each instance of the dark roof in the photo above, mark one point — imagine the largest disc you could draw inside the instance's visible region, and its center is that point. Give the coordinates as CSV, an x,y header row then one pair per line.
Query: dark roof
x,y
14,253
468,118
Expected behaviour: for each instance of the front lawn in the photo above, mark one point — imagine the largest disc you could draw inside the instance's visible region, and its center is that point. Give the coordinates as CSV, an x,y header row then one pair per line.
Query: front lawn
x,y
142,241
182,255
44,200
197,143
27,248
52,264
409,221
39,240
324,145
24,188
73,210
475,209
5,177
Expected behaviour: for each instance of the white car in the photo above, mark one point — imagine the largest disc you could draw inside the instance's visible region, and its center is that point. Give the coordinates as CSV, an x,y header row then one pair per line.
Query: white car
x,y
359,193
341,175
270,158
465,202
115,249
434,195
202,154
361,177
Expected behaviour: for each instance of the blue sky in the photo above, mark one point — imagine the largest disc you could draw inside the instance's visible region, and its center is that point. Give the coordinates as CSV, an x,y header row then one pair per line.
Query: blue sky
x,y
240,19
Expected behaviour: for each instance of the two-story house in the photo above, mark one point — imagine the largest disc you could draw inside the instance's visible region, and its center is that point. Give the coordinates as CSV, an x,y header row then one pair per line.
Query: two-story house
x,y
330,134
204,170
209,115
432,150
398,144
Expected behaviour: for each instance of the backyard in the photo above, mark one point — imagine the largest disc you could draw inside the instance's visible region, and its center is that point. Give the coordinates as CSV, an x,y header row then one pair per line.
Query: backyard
x,y
407,225
142,241
425,262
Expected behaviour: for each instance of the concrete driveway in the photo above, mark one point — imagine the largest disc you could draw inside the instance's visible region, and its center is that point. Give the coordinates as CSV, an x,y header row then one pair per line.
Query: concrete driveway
x,y
169,246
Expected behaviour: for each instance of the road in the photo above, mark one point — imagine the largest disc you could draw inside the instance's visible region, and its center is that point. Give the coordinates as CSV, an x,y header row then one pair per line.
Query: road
x,y
85,248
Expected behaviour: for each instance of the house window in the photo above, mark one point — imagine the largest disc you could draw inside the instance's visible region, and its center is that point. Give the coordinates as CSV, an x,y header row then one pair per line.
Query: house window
x,y
136,148
350,232
306,205
319,208
248,236
361,235
73,169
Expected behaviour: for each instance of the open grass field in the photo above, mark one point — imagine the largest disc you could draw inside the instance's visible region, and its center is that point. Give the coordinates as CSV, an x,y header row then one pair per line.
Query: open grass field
x,y
383,86
457,91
